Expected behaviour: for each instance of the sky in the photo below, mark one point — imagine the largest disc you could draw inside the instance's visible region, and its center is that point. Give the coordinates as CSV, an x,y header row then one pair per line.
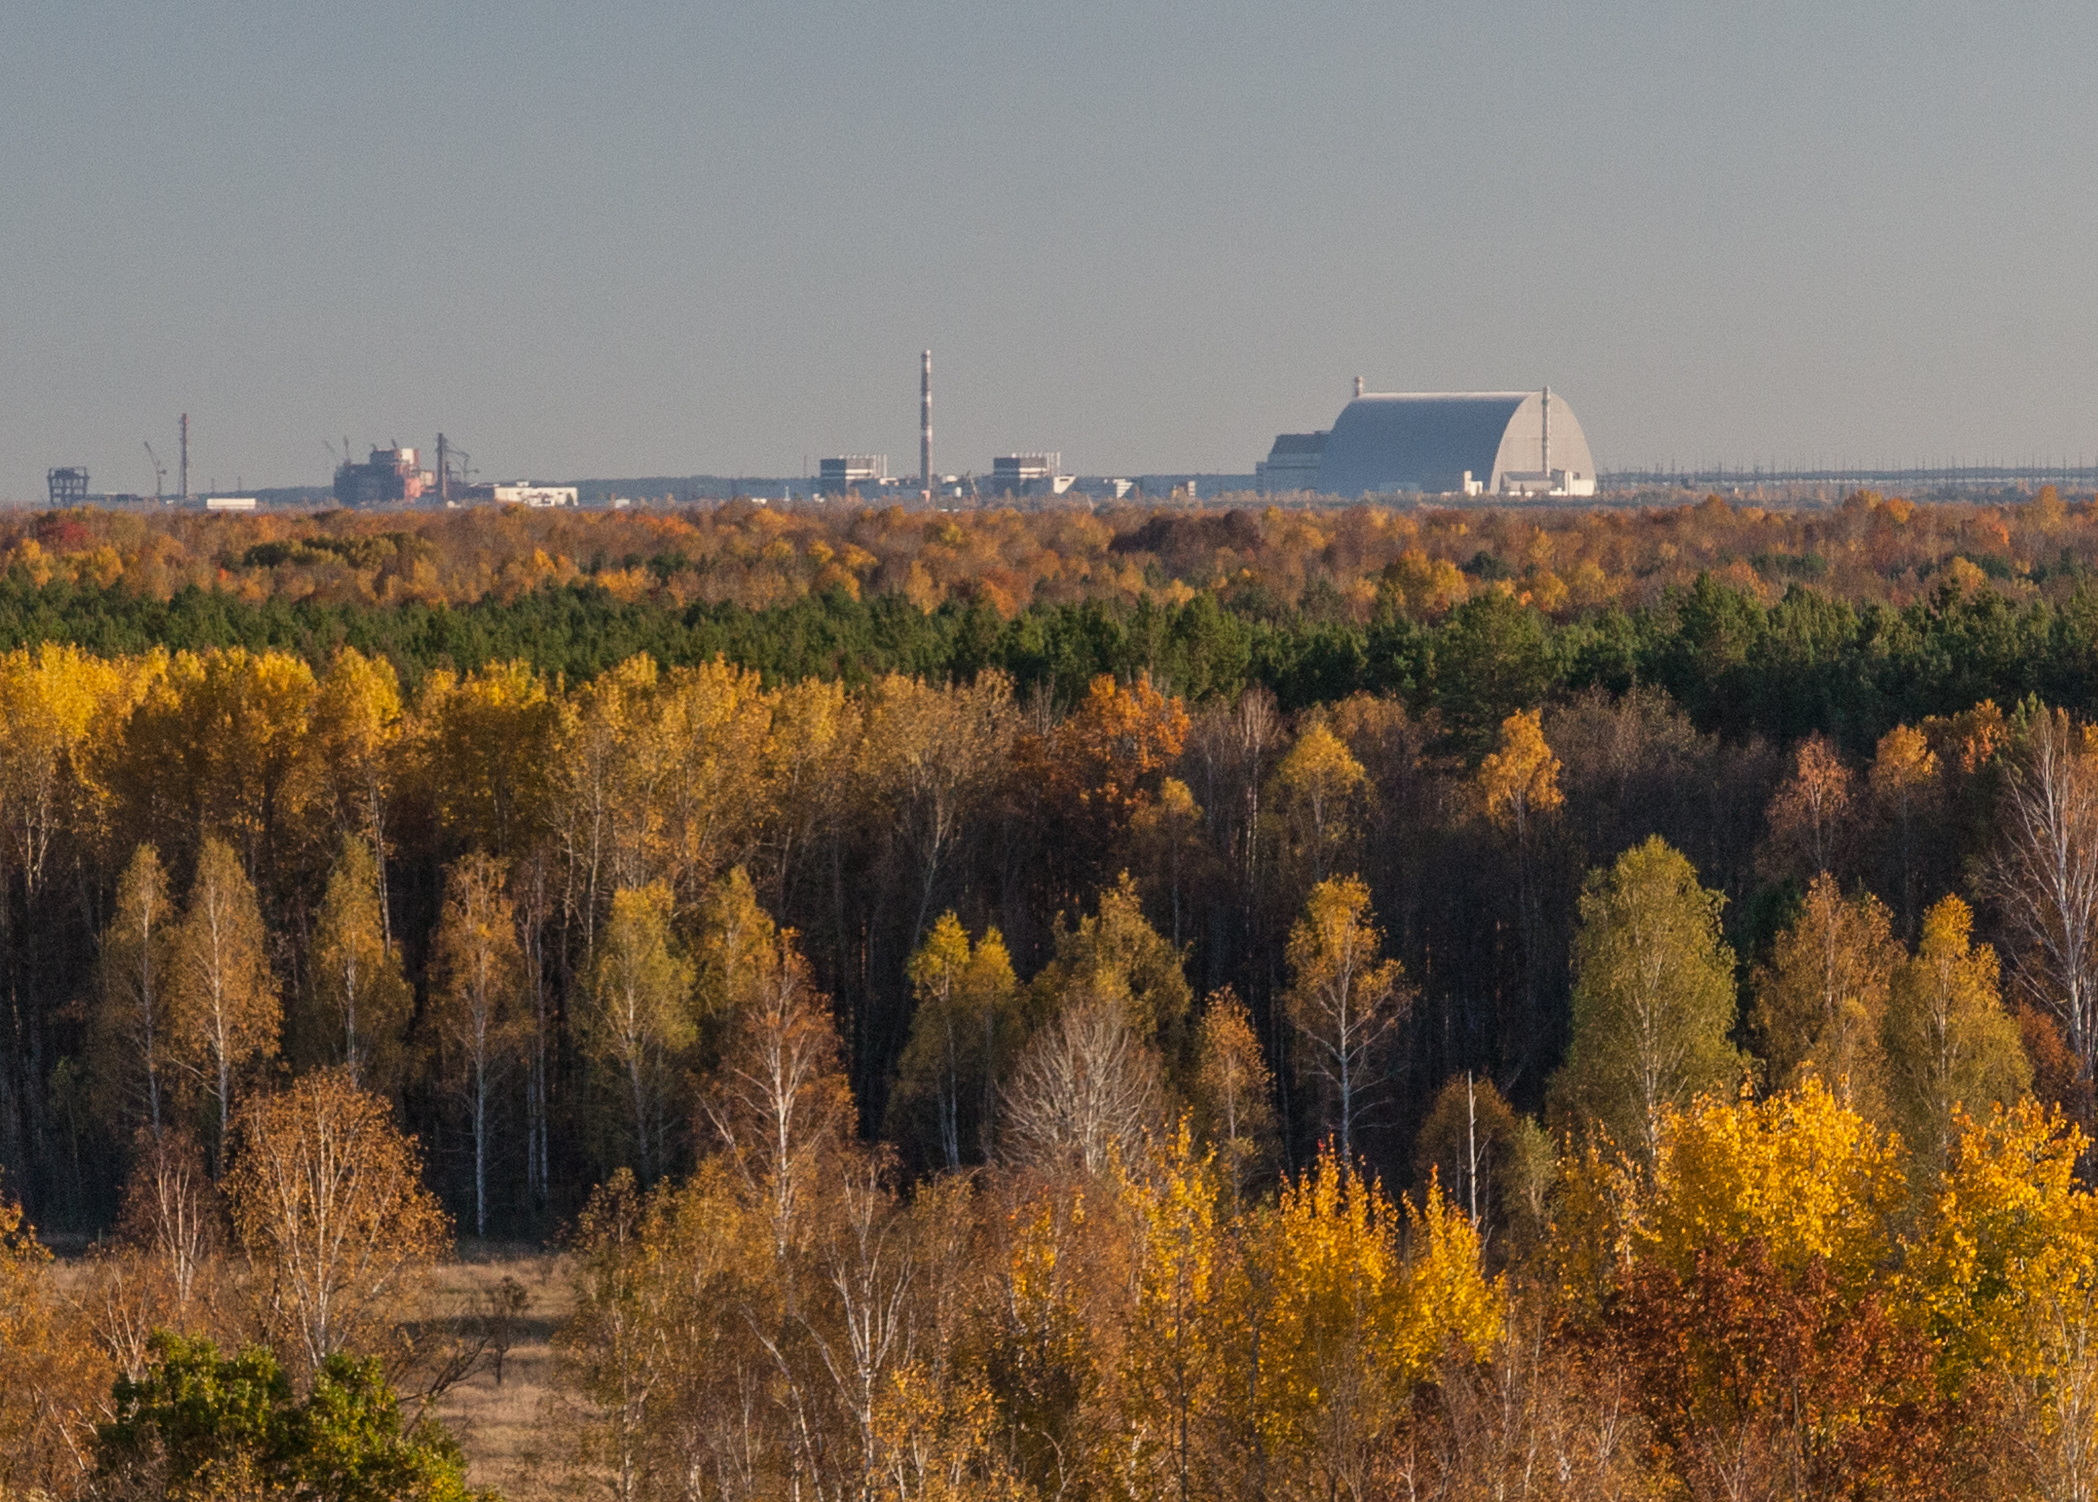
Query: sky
x,y
636,237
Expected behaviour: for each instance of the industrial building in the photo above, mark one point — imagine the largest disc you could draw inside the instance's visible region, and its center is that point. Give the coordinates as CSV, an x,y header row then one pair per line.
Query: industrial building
x,y
1292,464
1029,474
525,493
68,487
843,473
391,478
1498,443
515,493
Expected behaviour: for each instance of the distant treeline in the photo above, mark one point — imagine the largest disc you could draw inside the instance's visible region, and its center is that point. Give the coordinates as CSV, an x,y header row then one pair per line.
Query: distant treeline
x,y
1806,663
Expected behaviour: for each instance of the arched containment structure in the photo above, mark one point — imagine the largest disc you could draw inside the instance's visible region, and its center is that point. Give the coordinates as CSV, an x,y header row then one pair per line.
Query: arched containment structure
x,y
1464,442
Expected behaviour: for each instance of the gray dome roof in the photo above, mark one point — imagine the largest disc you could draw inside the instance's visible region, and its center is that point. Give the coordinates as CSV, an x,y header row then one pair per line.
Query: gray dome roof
x,y
1428,441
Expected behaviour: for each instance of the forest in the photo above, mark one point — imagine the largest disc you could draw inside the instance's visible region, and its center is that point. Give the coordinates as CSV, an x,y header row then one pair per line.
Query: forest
x,y
1230,1003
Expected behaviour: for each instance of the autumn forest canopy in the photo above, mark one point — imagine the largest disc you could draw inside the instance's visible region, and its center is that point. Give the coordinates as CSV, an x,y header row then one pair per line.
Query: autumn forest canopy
x,y
1369,1002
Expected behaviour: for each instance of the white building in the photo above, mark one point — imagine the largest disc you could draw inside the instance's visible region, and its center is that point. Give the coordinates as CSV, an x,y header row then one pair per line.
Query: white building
x,y
1507,443
524,493
1029,474
836,476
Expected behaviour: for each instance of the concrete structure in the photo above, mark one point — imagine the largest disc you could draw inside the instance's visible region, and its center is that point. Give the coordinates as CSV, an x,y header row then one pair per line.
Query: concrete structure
x,y
841,474
229,503
1029,474
925,424
1292,464
392,477
1502,443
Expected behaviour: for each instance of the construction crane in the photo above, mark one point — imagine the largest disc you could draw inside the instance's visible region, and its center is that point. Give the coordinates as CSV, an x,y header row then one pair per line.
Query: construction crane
x,y
160,476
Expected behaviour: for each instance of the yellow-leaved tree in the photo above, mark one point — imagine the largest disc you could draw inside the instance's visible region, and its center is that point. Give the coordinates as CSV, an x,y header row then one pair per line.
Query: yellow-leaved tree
x,y
1821,1002
1801,1172
1949,1042
1233,1092
1171,1372
640,1019
361,1001
224,1012
1904,779
965,1026
1518,780
58,705
1316,788
1336,1322
358,724
1345,999
476,1007
128,1030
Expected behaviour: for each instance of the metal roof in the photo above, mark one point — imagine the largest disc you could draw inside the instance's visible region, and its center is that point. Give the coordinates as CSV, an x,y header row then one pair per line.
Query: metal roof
x,y
1429,441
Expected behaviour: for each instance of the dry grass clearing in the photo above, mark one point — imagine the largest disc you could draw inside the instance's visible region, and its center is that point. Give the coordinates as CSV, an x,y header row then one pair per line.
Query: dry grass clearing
x,y
502,1425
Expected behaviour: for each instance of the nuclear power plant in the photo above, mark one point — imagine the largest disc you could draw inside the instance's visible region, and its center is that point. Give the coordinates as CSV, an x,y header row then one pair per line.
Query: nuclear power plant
x,y
1489,445
1519,444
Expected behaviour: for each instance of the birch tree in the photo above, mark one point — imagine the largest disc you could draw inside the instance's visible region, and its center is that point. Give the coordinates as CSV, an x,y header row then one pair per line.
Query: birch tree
x,y
1653,998
224,1009
475,1007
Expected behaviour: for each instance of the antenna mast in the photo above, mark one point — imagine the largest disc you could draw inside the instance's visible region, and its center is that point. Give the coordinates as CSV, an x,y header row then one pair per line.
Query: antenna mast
x,y
925,422
185,458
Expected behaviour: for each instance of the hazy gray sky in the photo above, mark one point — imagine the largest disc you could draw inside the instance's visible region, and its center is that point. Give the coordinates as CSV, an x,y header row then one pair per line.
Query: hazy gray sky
x,y
622,238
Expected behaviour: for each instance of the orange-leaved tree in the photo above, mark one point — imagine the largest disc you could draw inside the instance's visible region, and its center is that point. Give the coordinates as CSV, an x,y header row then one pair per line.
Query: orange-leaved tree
x,y
329,1205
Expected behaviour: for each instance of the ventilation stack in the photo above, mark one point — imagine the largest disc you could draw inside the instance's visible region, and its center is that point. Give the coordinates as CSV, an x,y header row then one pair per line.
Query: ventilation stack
x,y
925,422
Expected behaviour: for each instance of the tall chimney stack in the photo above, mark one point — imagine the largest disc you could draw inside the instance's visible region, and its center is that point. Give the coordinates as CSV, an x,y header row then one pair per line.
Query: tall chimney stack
x,y
185,458
925,422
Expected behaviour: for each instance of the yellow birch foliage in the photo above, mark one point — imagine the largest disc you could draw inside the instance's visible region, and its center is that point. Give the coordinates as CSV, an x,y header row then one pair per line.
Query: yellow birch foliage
x,y
55,704
224,1012
361,1000
1173,1367
1233,1090
1346,1325
357,727
2010,1235
1448,1302
965,1024
1344,998
639,1021
1800,1171
1116,952
1519,779
1950,1043
221,744
481,743
1316,786
128,1024
1822,1001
